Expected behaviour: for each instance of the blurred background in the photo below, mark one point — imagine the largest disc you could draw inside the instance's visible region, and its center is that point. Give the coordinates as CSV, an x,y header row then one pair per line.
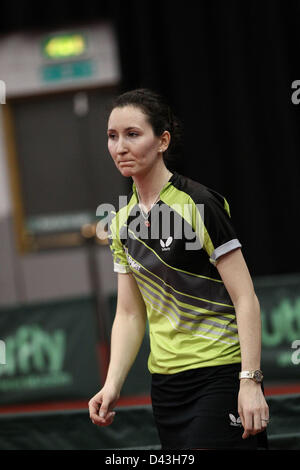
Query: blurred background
x,y
230,72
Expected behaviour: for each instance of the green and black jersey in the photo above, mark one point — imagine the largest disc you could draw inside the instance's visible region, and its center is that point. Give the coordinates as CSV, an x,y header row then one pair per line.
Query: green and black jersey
x,y
192,321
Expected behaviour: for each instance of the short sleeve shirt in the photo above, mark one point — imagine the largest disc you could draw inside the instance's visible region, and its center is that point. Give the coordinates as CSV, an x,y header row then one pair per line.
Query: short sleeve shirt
x,y
172,255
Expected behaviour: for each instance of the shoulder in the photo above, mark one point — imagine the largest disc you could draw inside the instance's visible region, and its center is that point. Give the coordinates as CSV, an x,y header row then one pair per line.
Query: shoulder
x,y
198,192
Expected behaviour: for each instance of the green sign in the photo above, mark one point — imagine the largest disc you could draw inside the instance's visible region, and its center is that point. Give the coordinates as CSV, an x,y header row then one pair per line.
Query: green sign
x,y
67,71
43,224
34,359
64,46
50,352
279,298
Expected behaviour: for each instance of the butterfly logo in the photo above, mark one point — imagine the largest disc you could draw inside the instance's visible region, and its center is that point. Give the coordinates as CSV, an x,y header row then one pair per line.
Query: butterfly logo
x,y
166,245
235,421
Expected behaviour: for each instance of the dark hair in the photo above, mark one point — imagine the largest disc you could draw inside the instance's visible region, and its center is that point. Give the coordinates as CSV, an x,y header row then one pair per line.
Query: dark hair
x,y
159,115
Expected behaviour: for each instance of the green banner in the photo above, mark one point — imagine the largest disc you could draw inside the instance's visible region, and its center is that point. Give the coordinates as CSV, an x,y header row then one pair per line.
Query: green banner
x,y
50,352
279,298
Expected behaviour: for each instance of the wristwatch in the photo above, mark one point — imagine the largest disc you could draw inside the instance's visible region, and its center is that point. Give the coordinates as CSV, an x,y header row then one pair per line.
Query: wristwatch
x,y
255,375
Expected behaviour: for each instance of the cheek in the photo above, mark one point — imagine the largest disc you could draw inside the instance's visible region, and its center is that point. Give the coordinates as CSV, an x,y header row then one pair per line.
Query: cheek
x,y
146,150
111,148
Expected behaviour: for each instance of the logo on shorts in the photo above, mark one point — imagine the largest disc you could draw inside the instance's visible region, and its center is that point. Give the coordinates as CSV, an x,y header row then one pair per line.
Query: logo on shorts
x,y
166,245
235,421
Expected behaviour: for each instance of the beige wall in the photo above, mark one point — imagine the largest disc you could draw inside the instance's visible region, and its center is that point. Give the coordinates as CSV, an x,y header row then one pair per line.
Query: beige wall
x,y
58,273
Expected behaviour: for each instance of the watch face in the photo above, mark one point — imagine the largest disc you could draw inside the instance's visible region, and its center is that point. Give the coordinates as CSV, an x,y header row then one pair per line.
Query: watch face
x,y
258,376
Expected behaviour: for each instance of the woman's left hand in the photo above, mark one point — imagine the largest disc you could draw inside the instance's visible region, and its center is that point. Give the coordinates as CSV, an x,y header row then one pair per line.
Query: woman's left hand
x,y
252,408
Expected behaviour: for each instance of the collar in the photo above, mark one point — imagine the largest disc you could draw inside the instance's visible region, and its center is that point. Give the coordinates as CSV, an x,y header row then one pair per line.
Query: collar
x,y
163,189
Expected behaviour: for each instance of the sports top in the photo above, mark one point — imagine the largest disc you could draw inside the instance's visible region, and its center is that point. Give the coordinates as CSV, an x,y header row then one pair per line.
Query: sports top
x,y
192,321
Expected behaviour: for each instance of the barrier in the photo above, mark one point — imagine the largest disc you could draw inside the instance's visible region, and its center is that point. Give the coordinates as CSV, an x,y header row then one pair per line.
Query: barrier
x,y
52,349
133,428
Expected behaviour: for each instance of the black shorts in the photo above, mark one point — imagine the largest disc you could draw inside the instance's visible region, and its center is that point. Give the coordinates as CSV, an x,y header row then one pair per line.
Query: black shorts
x,y
198,409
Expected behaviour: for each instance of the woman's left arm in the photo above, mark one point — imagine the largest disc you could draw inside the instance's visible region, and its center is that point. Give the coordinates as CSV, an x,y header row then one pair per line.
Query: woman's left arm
x,y
253,409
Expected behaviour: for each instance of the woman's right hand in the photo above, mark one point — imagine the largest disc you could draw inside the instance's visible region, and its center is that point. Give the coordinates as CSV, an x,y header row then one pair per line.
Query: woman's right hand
x,y
127,334
102,404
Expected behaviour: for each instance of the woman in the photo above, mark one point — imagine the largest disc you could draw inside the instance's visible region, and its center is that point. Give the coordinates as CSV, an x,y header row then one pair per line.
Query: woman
x,y
189,278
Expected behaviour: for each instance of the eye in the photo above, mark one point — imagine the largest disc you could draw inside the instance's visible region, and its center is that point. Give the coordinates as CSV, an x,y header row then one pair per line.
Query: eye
x,y
111,136
133,134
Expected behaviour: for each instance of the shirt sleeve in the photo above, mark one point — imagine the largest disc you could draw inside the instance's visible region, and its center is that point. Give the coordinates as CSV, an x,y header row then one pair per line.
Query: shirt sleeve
x,y
220,236
120,262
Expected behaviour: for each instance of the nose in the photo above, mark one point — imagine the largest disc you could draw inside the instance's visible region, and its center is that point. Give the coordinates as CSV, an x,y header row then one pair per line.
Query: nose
x,y
121,147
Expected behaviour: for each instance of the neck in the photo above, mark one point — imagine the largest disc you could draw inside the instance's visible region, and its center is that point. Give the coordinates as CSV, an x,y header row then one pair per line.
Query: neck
x,y
150,184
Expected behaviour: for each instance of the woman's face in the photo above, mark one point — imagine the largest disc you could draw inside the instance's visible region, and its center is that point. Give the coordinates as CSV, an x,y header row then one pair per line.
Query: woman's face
x,y
131,141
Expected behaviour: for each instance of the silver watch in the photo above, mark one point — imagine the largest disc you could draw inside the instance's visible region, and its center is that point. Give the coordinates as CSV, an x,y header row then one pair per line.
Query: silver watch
x,y
255,375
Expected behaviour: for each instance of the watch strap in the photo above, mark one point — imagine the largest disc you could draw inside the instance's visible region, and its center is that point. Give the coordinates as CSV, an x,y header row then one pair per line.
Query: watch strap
x,y
255,375
246,374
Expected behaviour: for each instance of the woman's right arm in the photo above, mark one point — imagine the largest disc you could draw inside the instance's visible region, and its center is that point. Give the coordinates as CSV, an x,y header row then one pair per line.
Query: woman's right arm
x,y
126,338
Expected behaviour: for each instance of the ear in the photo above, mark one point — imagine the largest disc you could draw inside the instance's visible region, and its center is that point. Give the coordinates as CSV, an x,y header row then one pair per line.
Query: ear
x,y
165,139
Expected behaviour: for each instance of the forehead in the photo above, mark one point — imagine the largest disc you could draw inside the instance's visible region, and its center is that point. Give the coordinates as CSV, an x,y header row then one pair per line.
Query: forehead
x,y
127,116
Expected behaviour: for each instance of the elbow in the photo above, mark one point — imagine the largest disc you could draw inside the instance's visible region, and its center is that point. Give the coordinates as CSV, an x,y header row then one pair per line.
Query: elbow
x,y
249,300
137,316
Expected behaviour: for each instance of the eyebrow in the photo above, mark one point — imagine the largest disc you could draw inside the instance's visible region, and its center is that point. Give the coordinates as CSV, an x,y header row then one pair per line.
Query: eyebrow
x,y
127,128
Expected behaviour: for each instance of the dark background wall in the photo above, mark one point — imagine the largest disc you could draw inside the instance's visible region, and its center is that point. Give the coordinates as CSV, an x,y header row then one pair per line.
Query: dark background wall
x,y
227,69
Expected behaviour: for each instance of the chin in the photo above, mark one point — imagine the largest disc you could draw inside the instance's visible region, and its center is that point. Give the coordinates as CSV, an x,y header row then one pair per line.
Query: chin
x,y
127,171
